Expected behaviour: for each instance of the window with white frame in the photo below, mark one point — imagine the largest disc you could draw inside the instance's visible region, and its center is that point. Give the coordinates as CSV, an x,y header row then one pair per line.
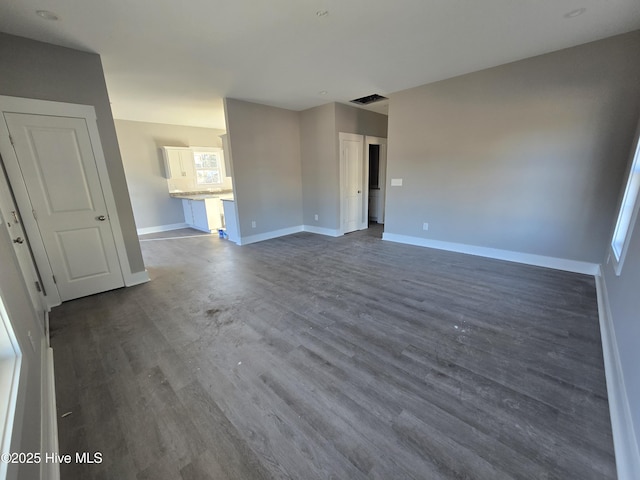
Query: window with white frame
x,y
208,167
10,361
628,212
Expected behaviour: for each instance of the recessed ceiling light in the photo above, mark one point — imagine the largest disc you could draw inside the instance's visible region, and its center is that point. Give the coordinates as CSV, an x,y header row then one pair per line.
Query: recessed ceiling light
x,y
47,15
322,92
575,13
322,13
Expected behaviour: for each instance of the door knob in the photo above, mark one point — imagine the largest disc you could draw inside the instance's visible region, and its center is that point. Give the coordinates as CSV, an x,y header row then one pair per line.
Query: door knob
x,y
102,218
19,240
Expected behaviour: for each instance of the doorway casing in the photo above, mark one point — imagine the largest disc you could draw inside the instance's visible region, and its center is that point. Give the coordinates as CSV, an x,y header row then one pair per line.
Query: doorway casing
x,y
354,157
382,172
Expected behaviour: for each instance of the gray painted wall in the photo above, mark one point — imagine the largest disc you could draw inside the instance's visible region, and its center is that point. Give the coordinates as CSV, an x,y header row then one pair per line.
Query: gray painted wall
x,y
140,144
320,156
363,122
624,303
526,157
320,173
27,421
47,72
265,142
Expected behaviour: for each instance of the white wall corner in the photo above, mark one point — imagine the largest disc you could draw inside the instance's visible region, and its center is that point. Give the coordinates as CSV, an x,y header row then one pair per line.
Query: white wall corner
x,y
574,266
161,228
625,442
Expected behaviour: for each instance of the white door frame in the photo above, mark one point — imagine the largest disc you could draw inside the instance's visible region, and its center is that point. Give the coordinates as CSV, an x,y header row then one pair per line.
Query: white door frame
x,y
382,167
27,266
364,174
45,107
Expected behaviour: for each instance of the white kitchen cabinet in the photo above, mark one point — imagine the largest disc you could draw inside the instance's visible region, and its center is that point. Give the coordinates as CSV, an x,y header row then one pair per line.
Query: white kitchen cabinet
x,y
178,162
188,212
202,214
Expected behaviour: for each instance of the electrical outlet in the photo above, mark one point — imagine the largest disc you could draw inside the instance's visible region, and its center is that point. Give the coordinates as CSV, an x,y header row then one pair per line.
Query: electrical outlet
x,y
253,224
316,217
425,226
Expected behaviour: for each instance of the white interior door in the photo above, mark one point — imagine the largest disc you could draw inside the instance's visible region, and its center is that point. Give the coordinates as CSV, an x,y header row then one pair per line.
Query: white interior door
x,y
56,163
352,174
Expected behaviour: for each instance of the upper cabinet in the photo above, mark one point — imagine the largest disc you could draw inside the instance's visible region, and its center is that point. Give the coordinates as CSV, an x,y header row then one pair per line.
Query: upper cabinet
x,y
178,162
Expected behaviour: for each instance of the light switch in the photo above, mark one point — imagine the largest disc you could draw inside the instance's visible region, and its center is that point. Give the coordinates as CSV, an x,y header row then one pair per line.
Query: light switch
x,y
396,182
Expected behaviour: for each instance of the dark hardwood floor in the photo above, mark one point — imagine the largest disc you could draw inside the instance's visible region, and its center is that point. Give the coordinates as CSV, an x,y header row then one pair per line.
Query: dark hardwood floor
x,y
309,357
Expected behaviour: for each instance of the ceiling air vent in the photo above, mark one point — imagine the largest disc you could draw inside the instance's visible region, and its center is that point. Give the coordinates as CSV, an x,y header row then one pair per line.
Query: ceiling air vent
x,y
369,99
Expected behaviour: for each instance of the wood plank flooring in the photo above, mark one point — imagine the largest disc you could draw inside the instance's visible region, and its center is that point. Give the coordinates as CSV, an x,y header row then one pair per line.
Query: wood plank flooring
x,y
175,234
309,357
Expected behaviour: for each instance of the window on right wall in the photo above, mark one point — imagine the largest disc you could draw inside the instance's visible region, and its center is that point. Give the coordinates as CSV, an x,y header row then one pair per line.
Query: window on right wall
x,y
628,212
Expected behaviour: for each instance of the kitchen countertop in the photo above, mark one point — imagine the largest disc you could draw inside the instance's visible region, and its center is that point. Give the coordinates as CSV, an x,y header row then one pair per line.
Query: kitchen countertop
x,y
203,195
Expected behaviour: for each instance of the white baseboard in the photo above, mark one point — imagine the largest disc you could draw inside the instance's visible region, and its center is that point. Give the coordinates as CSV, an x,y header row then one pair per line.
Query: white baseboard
x,y
49,422
288,231
161,228
625,442
260,237
575,266
137,278
330,232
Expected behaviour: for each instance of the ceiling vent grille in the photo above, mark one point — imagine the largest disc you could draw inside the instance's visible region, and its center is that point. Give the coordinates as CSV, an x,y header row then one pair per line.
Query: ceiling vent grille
x,y
369,99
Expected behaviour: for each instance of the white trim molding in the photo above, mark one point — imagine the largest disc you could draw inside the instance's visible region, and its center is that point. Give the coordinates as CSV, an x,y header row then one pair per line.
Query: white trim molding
x,y
161,228
330,232
260,237
625,442
575,266
49,422
137,278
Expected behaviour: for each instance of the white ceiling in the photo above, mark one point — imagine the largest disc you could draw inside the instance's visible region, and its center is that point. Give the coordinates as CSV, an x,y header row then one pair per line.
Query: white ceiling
x,y
169,61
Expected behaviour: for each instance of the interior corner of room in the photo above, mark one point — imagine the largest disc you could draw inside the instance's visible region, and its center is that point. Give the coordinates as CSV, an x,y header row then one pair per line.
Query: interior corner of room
x,y
527,162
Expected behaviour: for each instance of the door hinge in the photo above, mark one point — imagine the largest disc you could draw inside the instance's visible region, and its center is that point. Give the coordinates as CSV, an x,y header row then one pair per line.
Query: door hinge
x,y
38,287
11,140
34,214
54,279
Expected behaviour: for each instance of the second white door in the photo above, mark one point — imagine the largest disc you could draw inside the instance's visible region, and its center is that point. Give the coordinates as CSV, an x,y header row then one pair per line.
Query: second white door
x,y
351,182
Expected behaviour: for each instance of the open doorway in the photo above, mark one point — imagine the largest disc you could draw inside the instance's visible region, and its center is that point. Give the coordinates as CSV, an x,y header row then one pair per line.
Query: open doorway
x,y
358,155
376,160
